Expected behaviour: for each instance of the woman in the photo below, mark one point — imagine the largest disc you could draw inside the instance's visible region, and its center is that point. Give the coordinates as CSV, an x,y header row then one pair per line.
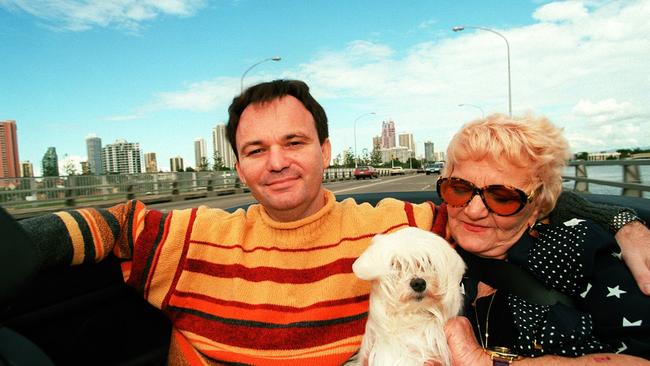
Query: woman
x,y
502,177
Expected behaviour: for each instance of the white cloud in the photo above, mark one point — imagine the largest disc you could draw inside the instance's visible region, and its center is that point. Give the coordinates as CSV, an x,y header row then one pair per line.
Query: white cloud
x,y
584,65
561,11
81,15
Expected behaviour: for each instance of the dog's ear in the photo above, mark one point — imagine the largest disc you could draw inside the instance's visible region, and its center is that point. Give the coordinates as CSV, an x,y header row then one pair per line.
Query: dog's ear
x,y
372,263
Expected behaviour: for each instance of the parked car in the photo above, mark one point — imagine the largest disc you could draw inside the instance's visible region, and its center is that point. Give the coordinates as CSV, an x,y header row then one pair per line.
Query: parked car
x,y
435,168
398,170
364,172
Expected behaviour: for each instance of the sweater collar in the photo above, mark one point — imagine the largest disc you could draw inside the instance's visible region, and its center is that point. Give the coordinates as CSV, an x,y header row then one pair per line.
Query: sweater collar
x,y
329,203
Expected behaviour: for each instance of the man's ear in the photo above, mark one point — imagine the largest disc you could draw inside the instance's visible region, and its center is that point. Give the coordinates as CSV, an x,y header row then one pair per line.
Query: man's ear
x,y
241,176
326,150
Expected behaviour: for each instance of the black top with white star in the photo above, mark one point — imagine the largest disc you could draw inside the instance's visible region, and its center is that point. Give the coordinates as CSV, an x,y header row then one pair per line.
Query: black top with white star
x,y
582,260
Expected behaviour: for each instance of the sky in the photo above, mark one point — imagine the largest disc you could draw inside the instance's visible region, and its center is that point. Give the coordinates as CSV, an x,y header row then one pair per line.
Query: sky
x,y
163,72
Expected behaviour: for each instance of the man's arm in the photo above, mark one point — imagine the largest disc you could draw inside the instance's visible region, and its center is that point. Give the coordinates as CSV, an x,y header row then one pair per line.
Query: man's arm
x,y
632,236
65,238
465,351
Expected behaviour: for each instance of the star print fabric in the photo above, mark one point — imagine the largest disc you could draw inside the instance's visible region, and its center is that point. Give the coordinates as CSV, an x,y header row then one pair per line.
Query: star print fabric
x,y
582,260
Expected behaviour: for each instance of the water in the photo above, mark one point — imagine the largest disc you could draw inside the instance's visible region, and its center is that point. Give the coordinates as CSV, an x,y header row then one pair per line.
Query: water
x,y
607,172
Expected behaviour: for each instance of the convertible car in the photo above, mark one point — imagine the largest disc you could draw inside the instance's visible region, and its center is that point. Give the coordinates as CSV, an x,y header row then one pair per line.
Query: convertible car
x,y
86,315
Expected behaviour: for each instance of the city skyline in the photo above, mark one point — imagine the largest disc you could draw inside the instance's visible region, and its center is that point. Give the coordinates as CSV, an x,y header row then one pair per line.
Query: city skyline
x,y
164,75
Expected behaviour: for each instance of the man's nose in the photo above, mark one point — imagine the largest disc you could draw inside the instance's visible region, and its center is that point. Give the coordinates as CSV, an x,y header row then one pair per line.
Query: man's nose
x,y
277,159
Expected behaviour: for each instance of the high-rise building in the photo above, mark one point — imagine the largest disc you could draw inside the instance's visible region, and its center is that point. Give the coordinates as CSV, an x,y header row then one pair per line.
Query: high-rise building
x,y
376,142
50,163
122,157
387,134
94,151
222,147
428,151
199,152
176,164
9,161
150,162
26,169
406,140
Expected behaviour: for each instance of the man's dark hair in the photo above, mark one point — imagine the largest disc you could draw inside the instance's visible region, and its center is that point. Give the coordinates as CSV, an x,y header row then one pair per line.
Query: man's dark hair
x,y
266,92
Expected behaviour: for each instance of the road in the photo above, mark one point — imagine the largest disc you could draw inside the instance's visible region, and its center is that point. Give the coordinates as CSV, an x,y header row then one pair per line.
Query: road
x,y
414,182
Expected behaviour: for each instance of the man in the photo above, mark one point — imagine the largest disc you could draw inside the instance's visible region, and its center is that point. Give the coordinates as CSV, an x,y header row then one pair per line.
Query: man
x,y
270,285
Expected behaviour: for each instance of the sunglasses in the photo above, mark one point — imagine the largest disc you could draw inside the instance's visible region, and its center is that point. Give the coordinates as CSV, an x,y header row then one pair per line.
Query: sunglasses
x,y
498,198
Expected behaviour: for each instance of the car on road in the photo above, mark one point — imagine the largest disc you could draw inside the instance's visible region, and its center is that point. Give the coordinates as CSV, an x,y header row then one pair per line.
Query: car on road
x,y
435,168
398,170
364,172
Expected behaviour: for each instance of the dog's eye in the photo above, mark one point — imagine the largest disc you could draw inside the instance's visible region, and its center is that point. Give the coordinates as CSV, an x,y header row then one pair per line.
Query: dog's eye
x,y
396,265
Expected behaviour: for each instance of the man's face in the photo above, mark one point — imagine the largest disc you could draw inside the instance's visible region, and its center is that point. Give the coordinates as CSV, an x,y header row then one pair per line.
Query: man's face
x,y
280,158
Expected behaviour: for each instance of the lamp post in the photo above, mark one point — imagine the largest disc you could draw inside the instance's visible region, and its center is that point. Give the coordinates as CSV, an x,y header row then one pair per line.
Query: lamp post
x,y
462,27
356,159
475,106
275,58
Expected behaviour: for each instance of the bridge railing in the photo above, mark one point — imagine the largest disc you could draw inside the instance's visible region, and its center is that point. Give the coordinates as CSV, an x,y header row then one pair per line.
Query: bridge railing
x,y
632,183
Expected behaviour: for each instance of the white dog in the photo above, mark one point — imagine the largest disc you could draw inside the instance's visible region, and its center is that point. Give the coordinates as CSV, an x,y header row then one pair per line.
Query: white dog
x,y
416,279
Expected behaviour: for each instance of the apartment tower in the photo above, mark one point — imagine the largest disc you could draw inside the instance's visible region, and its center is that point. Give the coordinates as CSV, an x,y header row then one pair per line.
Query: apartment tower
x,y
9,161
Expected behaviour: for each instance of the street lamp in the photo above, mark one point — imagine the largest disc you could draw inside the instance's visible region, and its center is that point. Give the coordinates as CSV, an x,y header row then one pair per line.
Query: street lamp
x,y
462,27
472,105
356,159
275,58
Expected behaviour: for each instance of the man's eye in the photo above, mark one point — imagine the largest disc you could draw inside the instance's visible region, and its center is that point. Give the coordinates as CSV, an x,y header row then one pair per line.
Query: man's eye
x,y
295,143
254,152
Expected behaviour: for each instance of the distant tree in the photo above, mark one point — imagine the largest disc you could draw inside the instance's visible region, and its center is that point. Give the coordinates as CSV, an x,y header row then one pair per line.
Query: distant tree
x,y
189,169
204,165
337,161
415,163
375,156
69,167
218,162
348,158
582,155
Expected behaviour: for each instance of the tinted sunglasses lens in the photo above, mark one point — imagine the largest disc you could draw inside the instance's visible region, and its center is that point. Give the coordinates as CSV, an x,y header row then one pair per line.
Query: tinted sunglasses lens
x,y
503,200
456,192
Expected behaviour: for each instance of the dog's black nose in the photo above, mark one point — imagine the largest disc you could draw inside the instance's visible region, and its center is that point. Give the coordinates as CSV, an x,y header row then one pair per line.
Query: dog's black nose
x,y
418,284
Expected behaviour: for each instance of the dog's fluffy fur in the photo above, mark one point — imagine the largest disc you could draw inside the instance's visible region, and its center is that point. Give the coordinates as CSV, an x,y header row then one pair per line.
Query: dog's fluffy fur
x,y
406,326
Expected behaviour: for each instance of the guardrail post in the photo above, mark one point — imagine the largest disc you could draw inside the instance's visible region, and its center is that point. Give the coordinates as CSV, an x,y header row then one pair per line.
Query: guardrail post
x,y
210,186
631,174
175,189
129,192
69,197
581,171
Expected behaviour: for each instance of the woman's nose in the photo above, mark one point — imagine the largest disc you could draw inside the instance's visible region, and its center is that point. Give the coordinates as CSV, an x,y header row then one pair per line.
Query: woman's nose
x,y
476,207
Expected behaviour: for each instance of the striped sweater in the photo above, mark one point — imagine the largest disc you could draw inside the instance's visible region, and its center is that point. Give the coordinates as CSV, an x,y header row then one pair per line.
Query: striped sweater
x,y
240,287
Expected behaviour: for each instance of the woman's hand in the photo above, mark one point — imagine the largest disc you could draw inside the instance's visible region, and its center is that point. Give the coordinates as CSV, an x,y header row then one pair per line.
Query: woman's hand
x,y
634,240
464,349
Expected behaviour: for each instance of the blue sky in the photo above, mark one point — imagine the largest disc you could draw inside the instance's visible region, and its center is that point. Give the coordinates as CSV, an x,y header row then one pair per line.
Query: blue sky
x,y
163,73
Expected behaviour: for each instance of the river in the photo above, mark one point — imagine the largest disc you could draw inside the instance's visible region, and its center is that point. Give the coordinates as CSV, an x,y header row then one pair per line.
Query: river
x,y
607,172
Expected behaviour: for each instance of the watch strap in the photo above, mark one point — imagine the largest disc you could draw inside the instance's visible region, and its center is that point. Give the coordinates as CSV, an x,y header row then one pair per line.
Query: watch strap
x,y
623,218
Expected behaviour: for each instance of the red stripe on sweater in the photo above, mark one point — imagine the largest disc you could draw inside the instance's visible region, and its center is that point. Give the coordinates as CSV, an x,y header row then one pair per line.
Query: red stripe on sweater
x,y
278,275
310,249
158,246
440,220
179,268
408,209
262,338
143,248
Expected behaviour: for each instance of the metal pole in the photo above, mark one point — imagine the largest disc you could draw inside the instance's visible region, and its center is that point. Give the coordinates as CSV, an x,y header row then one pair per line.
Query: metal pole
x,y
462,27
275,58
475,106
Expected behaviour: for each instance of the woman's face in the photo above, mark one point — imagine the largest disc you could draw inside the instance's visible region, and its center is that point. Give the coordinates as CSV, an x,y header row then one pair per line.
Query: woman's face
x,y
480,231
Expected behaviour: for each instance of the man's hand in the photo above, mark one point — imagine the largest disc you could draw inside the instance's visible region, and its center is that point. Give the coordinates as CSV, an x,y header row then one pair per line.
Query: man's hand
x,y
465,351
634,240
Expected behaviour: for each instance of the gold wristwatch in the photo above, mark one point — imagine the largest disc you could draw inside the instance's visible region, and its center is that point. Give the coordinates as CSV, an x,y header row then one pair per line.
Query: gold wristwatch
x,y
502,356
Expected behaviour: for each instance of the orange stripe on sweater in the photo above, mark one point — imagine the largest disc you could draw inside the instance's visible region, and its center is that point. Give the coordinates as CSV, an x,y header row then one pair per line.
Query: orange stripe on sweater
x,y
268,315
187,350
78,249
179,268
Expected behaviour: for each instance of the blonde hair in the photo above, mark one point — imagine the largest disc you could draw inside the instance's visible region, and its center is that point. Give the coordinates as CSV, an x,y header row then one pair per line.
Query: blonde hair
x,y
526,142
